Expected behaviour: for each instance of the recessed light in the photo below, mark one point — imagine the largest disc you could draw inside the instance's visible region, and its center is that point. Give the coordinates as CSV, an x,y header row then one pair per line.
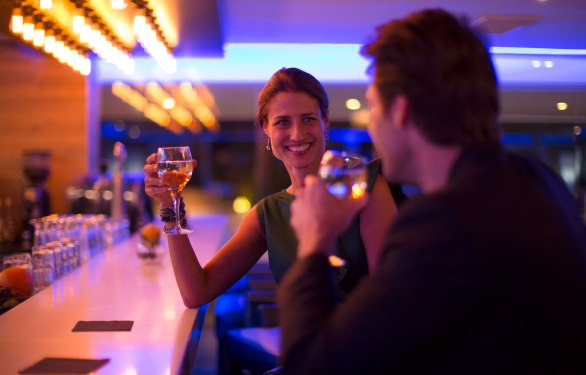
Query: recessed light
x,y
548,64
536,63
562,106
353,104
134,132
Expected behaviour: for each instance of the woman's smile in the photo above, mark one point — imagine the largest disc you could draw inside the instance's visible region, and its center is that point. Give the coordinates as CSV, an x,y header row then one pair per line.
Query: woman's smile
x,y
298,147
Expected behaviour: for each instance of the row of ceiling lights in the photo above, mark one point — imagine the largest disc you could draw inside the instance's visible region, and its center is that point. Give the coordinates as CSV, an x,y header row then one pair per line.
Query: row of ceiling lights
x,y
69,30
177,108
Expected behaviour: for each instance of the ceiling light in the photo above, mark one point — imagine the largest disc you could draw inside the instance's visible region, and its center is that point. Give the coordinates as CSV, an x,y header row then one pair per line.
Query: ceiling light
x,y
562,106
39,35
168,103
536,64
119,4
28,28
548,64
353,104
49,44
78,21
16,21
45,4
134,132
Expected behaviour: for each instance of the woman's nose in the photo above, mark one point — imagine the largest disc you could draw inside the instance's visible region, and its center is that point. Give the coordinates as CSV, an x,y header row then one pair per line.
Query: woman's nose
x,y
298,131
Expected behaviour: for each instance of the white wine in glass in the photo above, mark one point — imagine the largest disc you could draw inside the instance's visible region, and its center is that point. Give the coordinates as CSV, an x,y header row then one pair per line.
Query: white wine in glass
x,y
343,173
175,167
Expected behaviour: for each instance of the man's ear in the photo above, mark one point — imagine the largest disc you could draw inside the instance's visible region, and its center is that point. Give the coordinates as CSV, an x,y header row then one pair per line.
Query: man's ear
x,y
400,111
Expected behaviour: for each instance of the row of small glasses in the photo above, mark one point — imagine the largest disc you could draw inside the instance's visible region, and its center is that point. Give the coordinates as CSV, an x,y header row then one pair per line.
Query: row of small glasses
x,y
52,261
18,260
64,242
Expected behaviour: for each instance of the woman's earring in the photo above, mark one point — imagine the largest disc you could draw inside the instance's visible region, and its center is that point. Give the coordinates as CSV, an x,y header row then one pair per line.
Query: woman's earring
x,y
268,146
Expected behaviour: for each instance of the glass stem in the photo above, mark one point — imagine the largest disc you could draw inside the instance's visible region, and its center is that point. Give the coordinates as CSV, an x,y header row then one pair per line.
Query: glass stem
x,y
176,202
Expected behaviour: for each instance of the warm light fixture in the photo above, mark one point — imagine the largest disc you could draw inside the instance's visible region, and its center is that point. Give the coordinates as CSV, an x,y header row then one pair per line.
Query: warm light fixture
x,y
39,34
135,99
181,115
241,205
78,21
16,21
562,106
45,4
119,4
169,103
150,36
353,104
202,112
162,98
28,28
110,29
49,44
154,100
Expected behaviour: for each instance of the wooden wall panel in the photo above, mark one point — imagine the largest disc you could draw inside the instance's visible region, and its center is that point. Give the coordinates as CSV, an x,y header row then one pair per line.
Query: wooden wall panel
x,y
44,105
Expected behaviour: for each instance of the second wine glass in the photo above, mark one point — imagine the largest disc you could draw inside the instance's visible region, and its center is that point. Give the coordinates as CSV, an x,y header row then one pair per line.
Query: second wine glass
x,y
175,167
344,175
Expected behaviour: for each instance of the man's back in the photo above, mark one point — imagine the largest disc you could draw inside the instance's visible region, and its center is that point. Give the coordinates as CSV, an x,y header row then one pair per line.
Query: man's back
x,y
504,251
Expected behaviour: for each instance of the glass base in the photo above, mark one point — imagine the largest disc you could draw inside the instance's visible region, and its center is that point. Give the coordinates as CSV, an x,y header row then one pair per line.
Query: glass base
x,y
178,231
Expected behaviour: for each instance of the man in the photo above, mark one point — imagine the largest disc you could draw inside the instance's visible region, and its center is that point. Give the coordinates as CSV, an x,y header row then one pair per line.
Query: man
x,y
484,273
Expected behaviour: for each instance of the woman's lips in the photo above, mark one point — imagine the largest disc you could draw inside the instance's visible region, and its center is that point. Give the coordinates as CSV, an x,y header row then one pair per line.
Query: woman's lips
x,y
298,148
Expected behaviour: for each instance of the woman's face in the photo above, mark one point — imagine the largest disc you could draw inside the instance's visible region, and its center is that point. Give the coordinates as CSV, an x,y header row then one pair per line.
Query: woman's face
x,y
296,129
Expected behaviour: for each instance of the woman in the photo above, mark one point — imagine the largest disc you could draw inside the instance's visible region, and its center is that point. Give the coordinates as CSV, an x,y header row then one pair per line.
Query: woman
x,y
293,111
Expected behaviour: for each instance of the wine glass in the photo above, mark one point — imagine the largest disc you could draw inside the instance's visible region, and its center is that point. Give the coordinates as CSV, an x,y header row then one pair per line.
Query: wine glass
x,y
175,169
344,174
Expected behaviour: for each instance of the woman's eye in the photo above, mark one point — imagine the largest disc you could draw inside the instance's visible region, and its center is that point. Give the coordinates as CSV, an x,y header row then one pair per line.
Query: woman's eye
x,y
309,119
281,122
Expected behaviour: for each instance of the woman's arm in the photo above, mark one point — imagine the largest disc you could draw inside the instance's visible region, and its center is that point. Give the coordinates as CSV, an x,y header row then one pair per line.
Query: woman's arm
x,y
199,285
375,221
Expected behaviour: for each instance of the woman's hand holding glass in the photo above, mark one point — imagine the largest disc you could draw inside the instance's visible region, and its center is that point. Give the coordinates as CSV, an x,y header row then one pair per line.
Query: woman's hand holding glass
x,y
153,186
167,172
175,168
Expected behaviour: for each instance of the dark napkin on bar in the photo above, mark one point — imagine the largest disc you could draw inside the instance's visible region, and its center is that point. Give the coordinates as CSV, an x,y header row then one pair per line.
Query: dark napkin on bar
x,y
103,325
65,366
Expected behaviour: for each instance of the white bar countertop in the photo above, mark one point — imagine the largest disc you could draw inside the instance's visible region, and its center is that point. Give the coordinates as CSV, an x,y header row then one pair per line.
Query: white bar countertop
x,y
113,285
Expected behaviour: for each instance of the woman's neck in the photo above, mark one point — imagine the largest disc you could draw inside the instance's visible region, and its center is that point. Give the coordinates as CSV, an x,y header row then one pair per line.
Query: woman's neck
x,y
297,177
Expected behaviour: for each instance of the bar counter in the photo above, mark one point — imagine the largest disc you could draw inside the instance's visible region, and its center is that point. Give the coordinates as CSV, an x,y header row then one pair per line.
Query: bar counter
x,y
113,285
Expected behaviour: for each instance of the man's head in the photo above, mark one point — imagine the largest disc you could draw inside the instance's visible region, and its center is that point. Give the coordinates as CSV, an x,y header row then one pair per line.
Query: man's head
x,y
443,70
